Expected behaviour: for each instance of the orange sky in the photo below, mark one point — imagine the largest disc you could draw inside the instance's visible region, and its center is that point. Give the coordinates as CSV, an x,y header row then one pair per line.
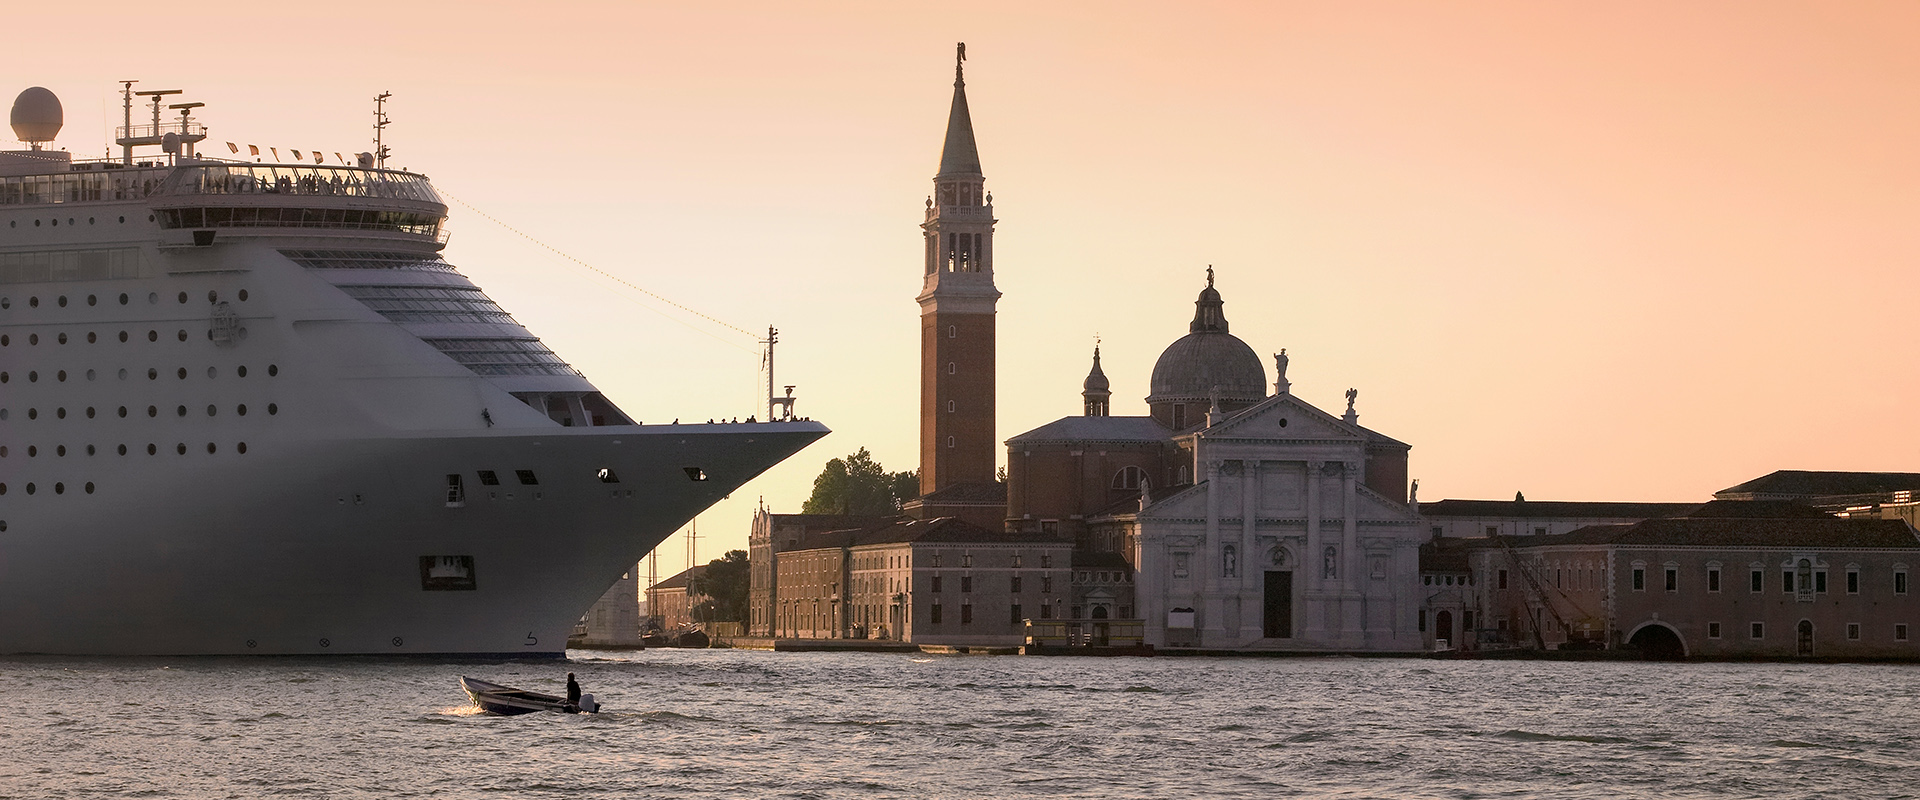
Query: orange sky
x,y
1622,251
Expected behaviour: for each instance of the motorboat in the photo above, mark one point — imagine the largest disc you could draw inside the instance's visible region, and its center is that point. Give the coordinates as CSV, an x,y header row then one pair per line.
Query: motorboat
x,y
507,701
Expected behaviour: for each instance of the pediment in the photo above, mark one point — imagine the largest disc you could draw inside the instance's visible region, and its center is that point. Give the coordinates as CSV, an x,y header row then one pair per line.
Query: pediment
x,y
1284,416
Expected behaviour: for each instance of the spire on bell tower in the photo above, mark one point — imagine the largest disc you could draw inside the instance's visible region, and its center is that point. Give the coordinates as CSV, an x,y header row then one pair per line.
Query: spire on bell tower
x,y
957,305
1095,392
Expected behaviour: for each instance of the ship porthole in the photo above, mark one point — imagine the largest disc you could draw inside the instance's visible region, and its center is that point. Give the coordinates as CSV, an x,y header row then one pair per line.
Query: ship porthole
x,y
182,373
59,488
273,408
152,449
180,448
210,448
243,295
89,488
250,643
29,488
397,641
326,642
123,449
242,447
153,297
3,526
183,298
123,298
93,300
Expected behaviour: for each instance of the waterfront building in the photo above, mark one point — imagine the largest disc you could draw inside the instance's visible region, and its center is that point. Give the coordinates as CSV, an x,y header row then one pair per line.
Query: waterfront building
x,y
614,619
1521,517
940,581
673,603
1851,494
773,534
1732,579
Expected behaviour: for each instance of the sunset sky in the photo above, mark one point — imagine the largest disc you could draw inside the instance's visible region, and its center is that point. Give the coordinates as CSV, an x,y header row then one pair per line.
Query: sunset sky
x,y
1621,251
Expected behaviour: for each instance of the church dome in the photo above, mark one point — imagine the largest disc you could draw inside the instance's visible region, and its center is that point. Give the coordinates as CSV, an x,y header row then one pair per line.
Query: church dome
x,y
1208,357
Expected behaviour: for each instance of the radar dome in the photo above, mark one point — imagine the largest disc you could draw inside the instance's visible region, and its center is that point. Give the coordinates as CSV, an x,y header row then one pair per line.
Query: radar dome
x,y
36,116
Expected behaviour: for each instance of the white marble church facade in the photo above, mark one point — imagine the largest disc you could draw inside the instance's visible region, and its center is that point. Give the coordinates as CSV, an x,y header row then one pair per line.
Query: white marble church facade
x,y
1283,543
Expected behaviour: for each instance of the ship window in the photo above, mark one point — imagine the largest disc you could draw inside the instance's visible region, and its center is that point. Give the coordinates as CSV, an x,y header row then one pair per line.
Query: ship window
x,y
123,412
153,411
59,488
153,336
63,301
240,409
153,298
273,408
153,374
92,337
211,409
606,476
180,412
272,370
210,448
241,447
527,478
446,573
89,412
90,450
243,295
180,448
182,373
456,490
123,337
33,338
3,377
183,334
211,372
33,302
62,338
240,371
123,295
487,478
213,296
152,449
89,487
183,298
60,376
123,449
93,300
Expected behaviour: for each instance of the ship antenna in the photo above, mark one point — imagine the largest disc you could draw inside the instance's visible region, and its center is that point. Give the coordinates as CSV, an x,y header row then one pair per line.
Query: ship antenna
x,y
379,128
126,148
772,337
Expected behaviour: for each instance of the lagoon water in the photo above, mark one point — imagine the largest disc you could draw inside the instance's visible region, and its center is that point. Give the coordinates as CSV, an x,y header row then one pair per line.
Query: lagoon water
x,y
734,724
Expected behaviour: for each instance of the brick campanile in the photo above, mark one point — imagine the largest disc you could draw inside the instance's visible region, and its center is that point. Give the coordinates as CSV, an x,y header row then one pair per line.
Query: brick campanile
x,y
957,302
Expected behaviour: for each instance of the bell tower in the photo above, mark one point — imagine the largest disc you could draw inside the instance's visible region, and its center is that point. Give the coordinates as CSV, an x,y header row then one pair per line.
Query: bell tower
x,y
957,300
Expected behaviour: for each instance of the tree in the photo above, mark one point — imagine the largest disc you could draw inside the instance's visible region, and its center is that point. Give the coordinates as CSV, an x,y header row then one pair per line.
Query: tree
x,y
859,485
726,580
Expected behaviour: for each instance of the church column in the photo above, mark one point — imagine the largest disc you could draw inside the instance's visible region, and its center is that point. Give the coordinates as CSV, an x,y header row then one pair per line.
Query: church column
x,y
1248,563
1313,611
1208,559
1352,565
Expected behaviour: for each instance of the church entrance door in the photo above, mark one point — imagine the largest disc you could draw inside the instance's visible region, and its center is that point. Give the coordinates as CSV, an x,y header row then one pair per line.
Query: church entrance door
x,y
1805,645
1278,616
1443,628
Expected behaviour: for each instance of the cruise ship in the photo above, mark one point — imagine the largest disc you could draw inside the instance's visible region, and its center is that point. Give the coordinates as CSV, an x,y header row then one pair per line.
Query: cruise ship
x,y
248,408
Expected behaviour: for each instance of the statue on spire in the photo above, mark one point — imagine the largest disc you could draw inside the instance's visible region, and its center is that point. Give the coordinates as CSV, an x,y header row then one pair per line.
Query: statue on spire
x,y
1209,276
960,57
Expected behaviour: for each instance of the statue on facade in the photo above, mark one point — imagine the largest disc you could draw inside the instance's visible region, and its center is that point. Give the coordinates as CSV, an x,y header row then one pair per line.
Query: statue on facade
x,y
1280,382
1352,394
1330,563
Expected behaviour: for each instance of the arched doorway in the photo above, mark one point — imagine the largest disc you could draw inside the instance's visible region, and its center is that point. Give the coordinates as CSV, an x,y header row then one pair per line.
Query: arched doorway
x,y
1804,644
1657,642
1443,628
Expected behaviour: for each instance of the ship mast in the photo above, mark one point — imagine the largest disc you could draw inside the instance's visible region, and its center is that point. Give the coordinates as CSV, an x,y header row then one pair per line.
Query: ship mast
x,y
380,122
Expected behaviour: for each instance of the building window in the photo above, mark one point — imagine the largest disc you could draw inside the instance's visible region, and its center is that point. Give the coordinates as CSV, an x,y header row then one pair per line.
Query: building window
x,y
1016,583
1015,617
1713,579
952,331
1713,630
966,583
1900,633
1758,580
949,441
1853,581
1900,581
949,406
1423,620
1853,630
1804,573
1503,579
950,369
1758,631
1786,581
1493,530
1046,611
1539,531
1820,582
1046,562
966,613
1673,579
1639,579
1046,584
1129,478
933,615
966,560
936,583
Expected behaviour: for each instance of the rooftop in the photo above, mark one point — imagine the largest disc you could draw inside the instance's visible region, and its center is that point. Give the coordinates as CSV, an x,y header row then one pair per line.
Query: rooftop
x,y
1553,509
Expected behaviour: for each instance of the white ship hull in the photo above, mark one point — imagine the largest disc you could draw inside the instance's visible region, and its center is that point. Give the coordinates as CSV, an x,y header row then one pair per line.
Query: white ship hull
x,y
317,549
